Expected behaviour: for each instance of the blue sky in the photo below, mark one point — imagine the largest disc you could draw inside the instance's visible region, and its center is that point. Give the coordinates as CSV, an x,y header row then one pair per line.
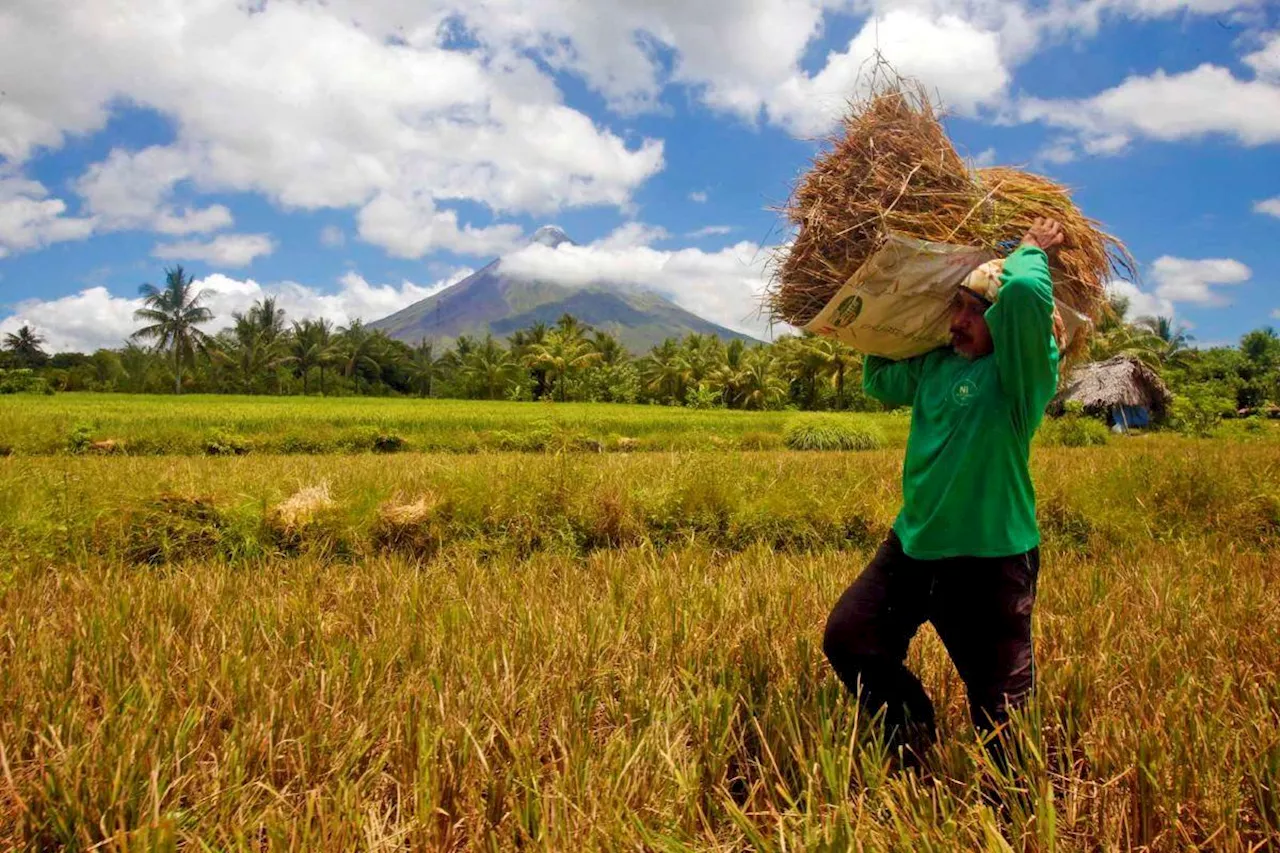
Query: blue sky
x,y
351,158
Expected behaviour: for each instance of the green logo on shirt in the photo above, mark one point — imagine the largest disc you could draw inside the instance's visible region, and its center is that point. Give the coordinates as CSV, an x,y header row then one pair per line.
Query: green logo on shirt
x,y
963,392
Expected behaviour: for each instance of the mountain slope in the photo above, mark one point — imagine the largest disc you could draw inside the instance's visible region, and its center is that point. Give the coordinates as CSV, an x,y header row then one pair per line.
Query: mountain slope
x,y
489,301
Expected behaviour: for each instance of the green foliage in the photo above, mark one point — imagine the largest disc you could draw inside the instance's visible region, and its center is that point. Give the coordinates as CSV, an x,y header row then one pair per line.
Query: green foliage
x,y
221,443
388,442
371,439
23,381
830,432
545,436
1198,412
80,437
703,397
1074,429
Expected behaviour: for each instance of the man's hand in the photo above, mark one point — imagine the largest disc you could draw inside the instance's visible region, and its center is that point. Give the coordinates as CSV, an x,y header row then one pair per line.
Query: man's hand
x,y
1044,234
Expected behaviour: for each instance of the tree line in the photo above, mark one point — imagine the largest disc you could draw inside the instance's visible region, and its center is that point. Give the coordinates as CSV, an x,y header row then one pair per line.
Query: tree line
x,y
263,352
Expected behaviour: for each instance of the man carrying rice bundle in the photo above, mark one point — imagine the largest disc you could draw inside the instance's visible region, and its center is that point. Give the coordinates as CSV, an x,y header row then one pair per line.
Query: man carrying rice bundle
x,y
963,553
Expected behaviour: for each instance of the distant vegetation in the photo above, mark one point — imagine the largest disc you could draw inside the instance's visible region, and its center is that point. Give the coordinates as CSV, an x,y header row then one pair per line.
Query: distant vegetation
x,y
263,353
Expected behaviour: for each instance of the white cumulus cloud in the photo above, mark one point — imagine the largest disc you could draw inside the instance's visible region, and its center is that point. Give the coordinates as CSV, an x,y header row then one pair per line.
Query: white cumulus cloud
x,y
132,190
302,104
1271,207
96,318
724,287
225,250
1265,61
412,227
961,62
29,219
1141,302
1167,107
1195,281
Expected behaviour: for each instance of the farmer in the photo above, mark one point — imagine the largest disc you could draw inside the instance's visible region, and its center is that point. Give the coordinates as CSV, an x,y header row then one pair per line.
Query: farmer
x,y
963,552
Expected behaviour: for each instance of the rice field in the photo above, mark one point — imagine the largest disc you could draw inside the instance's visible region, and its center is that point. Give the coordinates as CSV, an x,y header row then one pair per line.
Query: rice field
x,y
599,651
194,424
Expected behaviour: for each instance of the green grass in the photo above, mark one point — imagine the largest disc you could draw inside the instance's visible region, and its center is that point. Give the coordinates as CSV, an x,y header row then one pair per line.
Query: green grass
x,y
830,432
602,652
194,424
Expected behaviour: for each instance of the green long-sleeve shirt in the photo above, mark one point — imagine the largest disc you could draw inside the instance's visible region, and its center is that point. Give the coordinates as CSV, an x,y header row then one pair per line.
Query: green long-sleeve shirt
x,y
966,484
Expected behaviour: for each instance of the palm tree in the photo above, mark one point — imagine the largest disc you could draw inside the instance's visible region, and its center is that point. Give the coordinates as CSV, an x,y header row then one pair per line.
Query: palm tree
x,y
723,377
808,362
311,347
703,353
563,354
838,361
424,367
611,350
139,363
571,327
665,371
173,314
1171,342
1261,348
522,344
259,346
490,368
361,350
759,386
25,346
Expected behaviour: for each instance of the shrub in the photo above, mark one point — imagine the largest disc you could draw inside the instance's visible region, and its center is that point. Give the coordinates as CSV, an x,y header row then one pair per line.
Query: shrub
x,y
521,442
703,397
1198,413
220,443
1073,430
371,439
80,437
829,432
23,381
545,436
387,442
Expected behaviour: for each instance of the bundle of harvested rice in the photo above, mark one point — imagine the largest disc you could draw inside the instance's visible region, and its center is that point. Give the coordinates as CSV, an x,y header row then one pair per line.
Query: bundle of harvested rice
x,y
892,168
300,509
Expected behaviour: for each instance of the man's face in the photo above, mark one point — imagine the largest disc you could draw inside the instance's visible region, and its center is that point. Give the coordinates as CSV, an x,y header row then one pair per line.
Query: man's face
x,y
969,333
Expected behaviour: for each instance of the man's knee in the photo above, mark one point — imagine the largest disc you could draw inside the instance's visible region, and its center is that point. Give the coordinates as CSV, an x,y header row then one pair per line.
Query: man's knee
x,y
847,638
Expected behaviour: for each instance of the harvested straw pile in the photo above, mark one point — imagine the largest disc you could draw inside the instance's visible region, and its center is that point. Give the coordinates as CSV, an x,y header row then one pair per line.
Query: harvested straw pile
x,y
892,168
410,527
300,510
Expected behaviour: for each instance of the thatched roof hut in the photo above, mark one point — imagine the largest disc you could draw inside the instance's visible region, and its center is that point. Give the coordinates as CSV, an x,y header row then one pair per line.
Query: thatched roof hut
x,y
1115,387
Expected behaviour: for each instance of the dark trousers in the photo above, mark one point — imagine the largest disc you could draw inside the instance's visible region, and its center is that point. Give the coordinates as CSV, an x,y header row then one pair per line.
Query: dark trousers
x,y
981,609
